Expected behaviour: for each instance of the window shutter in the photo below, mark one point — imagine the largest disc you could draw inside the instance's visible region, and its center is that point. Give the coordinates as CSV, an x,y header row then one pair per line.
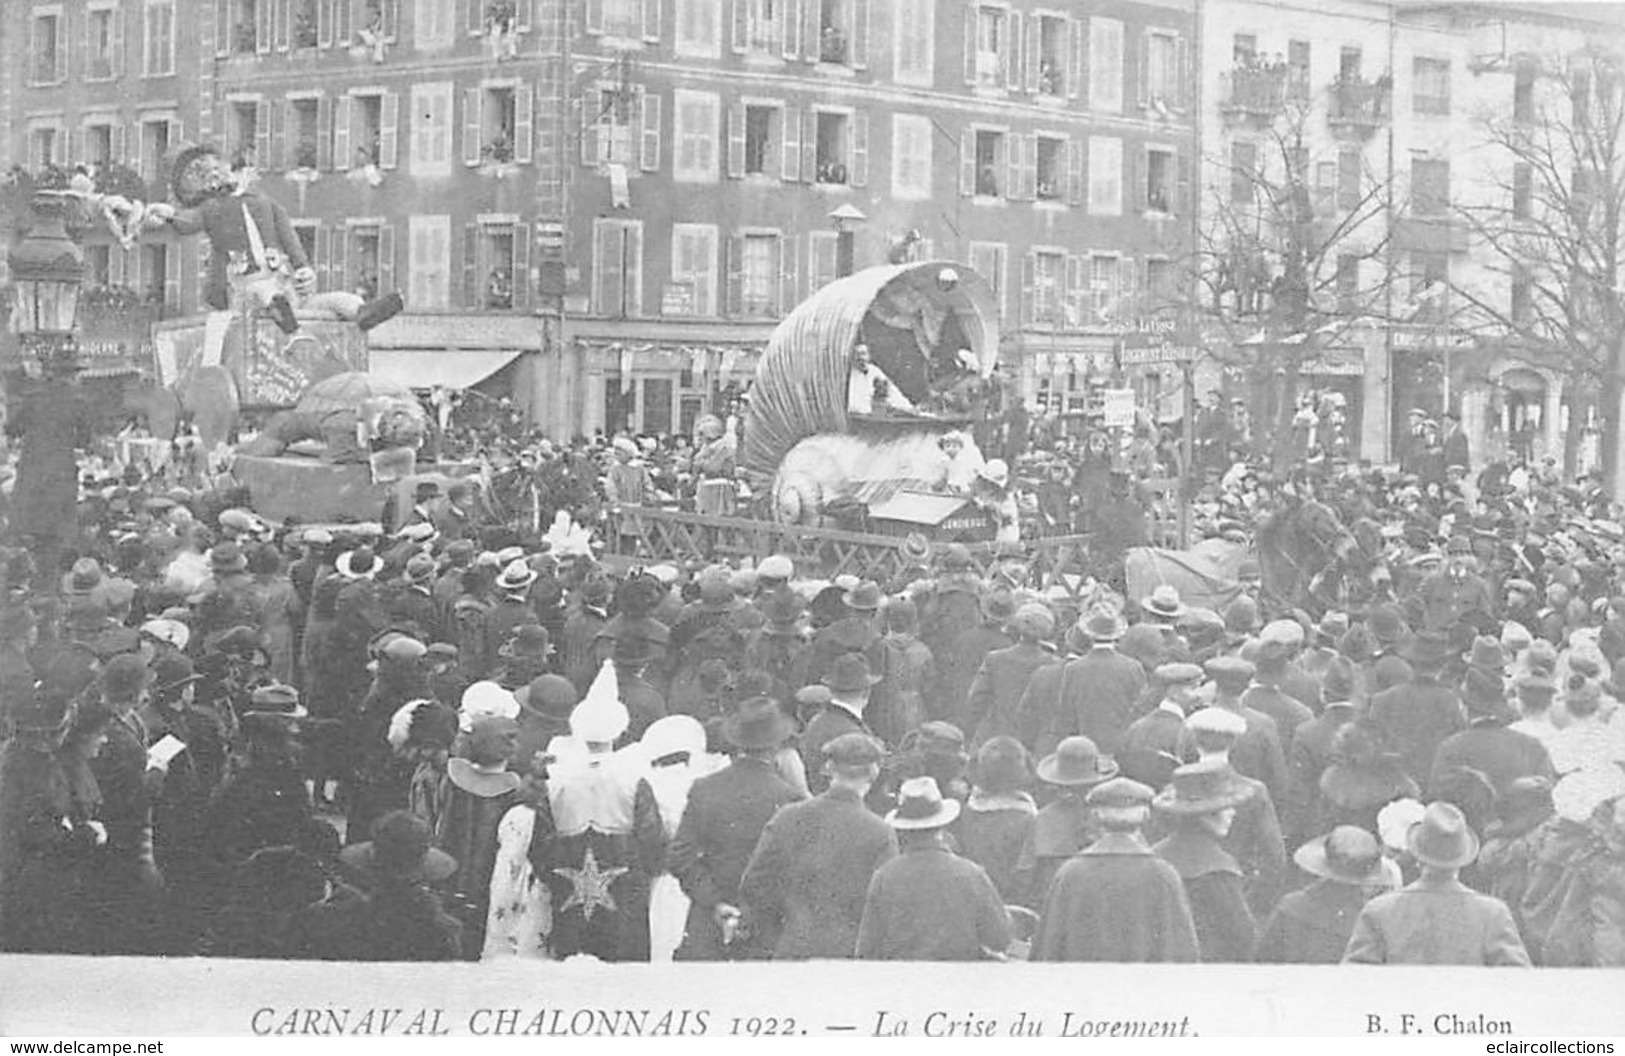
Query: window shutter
x,y
594,18
790,169
967,162
1035,26
475,15
265,145
1077,76
343,111
1029,277
811,39
1144,72
787,274
285,149
117,43
386,257
1029,167
736,275
523,15
736,139
740,25
649,134
71,140
392,19
1076,187
860,34
809,146
471,125
1077,292
262,26
62,47
970,43
651,20
789,25
116,146
132,266
280,11
324,257
1012,166
521,266
1127,276
172,277
1183,202
1182,72
389,122
222,27
338,275
133,157
524,123
341,22
1012,51
115,265
860,148
589,129
472,273
325,12
324,135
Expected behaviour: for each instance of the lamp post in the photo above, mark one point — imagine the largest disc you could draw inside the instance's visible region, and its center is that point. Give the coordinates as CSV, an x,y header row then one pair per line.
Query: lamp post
x,y
846,218
47,270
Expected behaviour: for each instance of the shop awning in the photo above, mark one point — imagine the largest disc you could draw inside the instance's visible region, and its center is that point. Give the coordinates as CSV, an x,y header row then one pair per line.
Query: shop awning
x,y
438,368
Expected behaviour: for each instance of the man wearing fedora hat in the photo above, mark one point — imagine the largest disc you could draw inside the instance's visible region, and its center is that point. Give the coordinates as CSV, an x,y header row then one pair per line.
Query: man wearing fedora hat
x,y
722,822
1418,715
1456,593
410,601
1488,744
929,904
850,683
1117,901
511,608
996,692
1200,806
1065,825
1100,691
1313,925
805,884
399,918
1437,919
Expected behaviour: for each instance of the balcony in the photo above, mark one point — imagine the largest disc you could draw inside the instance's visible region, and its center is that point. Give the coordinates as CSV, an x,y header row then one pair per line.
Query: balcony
x,y
1256,93
1359,106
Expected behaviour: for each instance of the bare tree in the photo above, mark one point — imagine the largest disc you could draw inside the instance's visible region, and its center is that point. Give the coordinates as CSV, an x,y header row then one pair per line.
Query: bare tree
x,y
1290,255
1551,225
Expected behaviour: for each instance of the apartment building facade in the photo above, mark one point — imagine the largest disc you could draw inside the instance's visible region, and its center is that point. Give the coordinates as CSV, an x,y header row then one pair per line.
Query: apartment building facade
x,y
610,203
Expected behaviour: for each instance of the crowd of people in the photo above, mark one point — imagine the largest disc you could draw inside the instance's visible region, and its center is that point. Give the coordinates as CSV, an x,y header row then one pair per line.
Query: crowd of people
x,y
451,737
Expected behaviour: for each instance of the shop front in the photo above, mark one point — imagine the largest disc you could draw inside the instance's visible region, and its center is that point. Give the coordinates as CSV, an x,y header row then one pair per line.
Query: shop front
x,y
657,388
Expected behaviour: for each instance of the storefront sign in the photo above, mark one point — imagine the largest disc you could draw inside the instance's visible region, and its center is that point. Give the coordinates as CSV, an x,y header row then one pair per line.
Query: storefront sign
x,y
1156,341
1340,362
1119,408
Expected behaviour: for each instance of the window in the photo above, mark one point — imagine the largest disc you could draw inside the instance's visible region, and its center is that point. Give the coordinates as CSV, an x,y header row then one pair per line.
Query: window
x,y
1106,64
1579,97
155,277
245,37
694,266
617,268
1522,302
1244,50
303,30
1052,56
1051,183
369,261
1297,69
1348,282
1104,278
243,132
1243,172
432,23
758,139
101,32
99,264
50,54
992,46
1523,189
915,57
1348,64
45,146
1325,188
158,38
1430,186
613,135
622,18
1430,86
1162,72
430,241
1429,273
987,260
364,132
831,149
495,265
1049,287
699,29
990,162
1159,180
911,157
698,118
759,275
99,145
499,125
1105,176
763,26
431,129
1349,189
304,133
835,30
1523,95
156,138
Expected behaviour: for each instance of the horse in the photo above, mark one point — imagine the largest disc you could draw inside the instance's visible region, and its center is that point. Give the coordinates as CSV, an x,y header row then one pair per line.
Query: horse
x,y
1308,558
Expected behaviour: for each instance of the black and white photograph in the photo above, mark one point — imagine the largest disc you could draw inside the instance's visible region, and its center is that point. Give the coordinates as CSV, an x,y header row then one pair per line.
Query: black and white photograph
x,y
511,509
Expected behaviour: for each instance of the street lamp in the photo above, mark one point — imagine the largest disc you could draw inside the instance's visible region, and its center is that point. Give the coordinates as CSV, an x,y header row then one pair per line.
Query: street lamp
x,y
47,270
846,218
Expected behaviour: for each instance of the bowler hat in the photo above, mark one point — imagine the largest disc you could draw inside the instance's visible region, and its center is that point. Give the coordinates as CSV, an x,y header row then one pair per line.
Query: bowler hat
x,y
850,674
528,640
1103,626
1076,761
420,568
1347,854
1201,788
1442,839
865,597
400,848
757,724
920,805
549,694
1386,624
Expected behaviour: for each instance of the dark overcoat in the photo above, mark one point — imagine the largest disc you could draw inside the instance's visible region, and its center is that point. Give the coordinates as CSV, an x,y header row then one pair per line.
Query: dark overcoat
x,y
1117,901
929,904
